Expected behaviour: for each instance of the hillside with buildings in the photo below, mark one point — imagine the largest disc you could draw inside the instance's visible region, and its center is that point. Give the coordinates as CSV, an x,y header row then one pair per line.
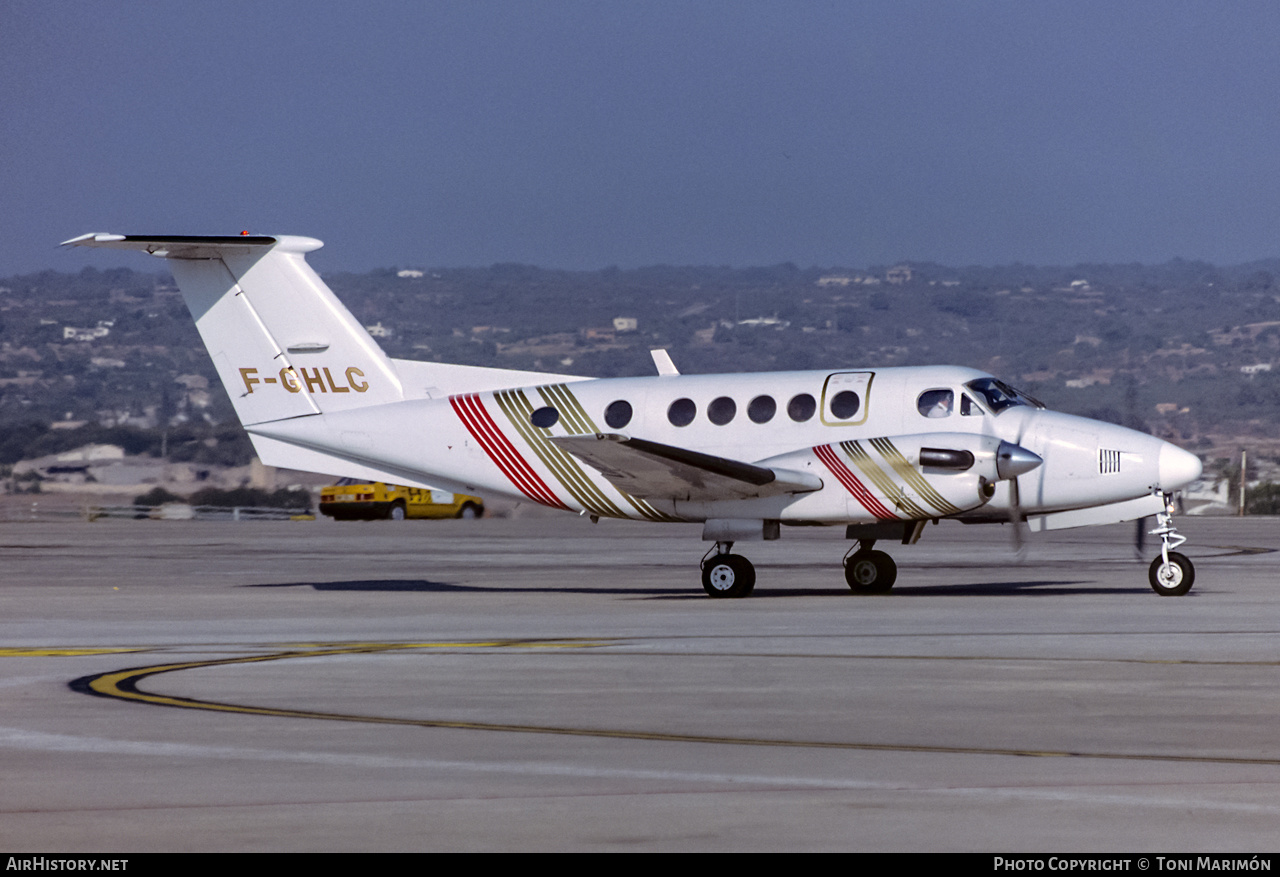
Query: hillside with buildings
x,y
1185,350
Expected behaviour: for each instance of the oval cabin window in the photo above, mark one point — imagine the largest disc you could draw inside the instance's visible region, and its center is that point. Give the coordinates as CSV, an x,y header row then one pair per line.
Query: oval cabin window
x,y
801,407
545,417
762,409
682,412
721,410
845,404
618,414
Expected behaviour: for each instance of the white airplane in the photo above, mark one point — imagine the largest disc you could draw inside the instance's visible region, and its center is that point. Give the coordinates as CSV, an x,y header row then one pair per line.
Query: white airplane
x,y
882,451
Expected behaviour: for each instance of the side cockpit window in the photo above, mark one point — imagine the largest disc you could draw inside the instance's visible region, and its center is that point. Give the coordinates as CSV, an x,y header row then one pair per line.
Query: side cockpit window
x,y
969,408
936,403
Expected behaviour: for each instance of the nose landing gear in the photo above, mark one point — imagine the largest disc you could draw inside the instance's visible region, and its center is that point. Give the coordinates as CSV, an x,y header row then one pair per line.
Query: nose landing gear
x,y
1171,574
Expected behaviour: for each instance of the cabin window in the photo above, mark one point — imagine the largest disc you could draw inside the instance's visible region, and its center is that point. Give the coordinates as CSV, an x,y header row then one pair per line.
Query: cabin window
x,y
936,403
845,404
721,410
682,412
801,407
762,409
618,414
545,417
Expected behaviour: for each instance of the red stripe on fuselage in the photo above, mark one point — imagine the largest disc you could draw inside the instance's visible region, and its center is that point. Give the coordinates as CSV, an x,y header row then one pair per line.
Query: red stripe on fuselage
x,y
482,428
462,409
541,489
476,419
470,411
851,483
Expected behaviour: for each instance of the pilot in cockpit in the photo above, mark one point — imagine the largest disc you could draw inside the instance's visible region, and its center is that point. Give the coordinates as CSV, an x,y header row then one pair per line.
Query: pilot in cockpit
x,y
936,403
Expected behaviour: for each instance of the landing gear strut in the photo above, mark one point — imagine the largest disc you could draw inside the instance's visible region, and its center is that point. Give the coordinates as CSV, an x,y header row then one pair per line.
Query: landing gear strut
x,y
868,571
1171,574
725,574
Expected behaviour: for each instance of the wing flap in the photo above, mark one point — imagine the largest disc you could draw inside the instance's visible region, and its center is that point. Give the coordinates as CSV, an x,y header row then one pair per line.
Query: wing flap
x,y
651,470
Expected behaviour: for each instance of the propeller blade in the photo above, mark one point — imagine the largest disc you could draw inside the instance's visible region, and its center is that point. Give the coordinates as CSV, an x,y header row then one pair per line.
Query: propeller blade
x,y
1012,460
1015,517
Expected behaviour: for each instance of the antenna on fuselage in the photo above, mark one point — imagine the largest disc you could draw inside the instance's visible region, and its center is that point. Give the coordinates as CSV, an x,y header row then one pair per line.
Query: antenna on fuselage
x,y
662,361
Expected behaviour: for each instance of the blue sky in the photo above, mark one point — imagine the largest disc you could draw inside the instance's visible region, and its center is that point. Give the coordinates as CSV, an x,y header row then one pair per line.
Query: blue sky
x,y
586,134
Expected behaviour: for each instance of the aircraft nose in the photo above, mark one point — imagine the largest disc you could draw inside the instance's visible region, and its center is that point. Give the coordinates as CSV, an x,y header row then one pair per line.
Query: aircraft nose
x,y
1178,468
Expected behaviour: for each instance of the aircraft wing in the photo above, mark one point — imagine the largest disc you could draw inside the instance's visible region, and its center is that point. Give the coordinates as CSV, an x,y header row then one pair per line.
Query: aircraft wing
x,y
650,470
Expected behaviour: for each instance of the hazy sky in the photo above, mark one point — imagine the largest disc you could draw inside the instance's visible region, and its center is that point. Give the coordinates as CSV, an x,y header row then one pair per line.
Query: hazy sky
x,y
585,134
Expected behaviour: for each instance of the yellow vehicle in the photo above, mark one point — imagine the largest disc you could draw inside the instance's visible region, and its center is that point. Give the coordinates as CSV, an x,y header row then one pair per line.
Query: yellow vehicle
x,y
350,500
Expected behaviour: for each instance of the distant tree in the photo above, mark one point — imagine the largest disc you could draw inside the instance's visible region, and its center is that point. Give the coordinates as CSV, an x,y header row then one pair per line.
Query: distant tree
x,y
157,496
1263,499
1259,280
248,497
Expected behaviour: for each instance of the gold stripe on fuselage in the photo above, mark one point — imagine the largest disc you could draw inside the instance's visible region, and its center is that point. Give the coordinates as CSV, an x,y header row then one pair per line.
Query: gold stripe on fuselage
x,y
516,407
913,478
882,480
563,467
560,397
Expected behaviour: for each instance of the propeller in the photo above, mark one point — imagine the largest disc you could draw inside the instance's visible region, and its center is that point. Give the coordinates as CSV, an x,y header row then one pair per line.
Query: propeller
x,y
1013,460
1015,519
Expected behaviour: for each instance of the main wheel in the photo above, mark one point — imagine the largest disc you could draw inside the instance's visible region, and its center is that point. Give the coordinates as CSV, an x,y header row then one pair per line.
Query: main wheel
x,y
728,575
870,572
396,512
1172,579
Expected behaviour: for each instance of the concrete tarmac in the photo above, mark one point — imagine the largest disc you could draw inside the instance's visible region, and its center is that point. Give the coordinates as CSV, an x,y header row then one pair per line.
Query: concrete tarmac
x,y
547,684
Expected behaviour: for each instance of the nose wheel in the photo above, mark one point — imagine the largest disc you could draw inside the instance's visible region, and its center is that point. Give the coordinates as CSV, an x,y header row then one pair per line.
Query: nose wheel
x,y
1172,577
1171,574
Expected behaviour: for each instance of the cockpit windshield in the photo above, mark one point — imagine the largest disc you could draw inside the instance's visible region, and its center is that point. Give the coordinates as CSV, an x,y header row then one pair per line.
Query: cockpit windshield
x,y
998,395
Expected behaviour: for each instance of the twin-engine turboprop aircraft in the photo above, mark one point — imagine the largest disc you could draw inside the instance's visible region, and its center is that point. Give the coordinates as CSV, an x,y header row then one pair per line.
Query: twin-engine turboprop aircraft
x,y
880,451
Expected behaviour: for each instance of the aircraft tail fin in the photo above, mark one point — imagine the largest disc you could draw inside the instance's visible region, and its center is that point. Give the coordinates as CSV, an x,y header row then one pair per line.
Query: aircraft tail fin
x,y
283,345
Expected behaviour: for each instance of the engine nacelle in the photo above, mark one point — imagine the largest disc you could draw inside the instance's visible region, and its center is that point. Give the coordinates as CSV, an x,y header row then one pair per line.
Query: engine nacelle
x,y
993,458
910,477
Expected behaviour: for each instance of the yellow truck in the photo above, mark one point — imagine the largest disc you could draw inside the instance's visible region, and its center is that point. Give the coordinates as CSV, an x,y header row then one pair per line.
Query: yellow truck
x,y
350,500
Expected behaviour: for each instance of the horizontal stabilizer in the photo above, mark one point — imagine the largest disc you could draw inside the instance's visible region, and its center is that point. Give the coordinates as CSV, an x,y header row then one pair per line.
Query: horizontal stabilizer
x,y
656,471
180,246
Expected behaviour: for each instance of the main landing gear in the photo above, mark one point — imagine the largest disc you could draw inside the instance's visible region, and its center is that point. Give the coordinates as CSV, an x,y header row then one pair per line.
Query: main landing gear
x,y
725,574
1171,574
867,571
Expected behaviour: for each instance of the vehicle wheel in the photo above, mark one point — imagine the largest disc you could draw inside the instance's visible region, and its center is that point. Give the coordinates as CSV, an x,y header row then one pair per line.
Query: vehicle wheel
x,y
396,513
1172,579
728,575
870,572
469,511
